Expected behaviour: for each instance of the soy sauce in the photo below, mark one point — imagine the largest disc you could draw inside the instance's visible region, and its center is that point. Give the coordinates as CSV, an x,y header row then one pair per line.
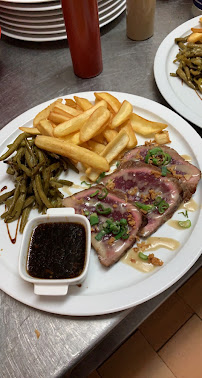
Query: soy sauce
x,y
57,250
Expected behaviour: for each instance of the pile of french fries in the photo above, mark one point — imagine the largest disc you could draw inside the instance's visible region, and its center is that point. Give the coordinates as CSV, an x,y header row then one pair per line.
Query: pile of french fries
x,y
94,134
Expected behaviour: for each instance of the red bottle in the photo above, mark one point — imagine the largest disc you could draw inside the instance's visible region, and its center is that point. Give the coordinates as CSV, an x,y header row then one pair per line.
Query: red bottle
x,y
83,34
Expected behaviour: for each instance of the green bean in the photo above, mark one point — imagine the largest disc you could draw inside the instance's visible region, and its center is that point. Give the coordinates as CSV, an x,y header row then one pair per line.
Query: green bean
x,y
15,198
38,199
5,196
24,218
41,192
65,182
10,170
55,184
71,165
17,209
14,146
22,166
29,201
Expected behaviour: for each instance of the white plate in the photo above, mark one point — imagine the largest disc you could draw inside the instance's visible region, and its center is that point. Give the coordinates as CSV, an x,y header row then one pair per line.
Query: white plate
x,y
182,98
31,7
24,25
119,287
35,31
42,36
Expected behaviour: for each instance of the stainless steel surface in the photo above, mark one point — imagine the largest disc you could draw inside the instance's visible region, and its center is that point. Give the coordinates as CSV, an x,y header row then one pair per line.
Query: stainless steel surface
x,y
31,73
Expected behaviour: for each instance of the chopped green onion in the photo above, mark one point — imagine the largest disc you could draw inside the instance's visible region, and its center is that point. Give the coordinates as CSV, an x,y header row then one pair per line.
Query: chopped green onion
x,y
158,157
120,235
143,256
103,194
100,177
163,206
153,151
86,213
117,163
95,193
123,221
86,183
94,219
115,229
100,234
185,224
185,213
157,201
144,207
164,171
103,210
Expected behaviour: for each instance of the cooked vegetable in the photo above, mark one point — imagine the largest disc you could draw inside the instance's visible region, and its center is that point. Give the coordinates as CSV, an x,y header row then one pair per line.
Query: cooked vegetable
x,y
189,58
36,179
185,224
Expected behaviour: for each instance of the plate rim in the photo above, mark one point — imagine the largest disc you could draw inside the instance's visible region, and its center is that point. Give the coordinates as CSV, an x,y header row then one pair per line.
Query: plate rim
x,y
129,298
160,72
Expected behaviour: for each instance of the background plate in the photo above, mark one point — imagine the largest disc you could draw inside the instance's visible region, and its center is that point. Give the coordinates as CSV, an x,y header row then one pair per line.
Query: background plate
x,y
119,287
182,98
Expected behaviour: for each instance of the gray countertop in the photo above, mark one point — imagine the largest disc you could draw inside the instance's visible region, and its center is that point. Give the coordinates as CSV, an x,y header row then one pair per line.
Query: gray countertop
x,y
31,73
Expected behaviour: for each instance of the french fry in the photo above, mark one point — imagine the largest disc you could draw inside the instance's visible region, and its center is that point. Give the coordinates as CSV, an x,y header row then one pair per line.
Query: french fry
x,y
70,102
94,124
100,139
131,134
30,130
72,151
58,118
195,37
72,138
196,30
110,134
45,112
66,110
113,103
95,146
83,103
162,137
111,151
77,122
122,115
145,127
45,127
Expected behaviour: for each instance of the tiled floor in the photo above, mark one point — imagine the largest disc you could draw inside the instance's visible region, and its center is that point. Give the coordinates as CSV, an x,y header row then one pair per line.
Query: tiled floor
x,y
167,345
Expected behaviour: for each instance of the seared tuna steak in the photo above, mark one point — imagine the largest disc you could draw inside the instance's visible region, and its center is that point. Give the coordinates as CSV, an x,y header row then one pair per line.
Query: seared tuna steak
x,y
142,184
173,163
114,222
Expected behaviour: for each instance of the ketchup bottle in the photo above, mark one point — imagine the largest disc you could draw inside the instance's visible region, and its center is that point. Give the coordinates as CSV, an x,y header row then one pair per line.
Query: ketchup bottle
x,y
83,34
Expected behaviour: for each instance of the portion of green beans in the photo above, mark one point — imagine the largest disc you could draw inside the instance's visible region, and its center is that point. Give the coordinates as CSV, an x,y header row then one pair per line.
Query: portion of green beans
x,y
189,58
35,173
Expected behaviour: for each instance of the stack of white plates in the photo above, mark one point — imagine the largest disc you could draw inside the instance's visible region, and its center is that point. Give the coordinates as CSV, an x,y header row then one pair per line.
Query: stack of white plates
x,y
42,20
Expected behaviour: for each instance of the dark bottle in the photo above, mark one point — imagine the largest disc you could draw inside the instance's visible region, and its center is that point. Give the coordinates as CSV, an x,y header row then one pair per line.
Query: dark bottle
x,y
83,34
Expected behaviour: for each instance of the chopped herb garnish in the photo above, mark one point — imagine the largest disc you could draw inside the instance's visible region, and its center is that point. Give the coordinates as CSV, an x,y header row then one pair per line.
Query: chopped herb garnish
x,y
185,224
185,213
144,207
94,219
157,157
94,193
164,171
86,212
117,164
103,210
161,205
143,256
100,235
103,194
100,177
86,183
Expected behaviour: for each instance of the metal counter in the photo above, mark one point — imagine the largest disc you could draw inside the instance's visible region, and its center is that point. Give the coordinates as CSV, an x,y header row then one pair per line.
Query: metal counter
x,y
31,73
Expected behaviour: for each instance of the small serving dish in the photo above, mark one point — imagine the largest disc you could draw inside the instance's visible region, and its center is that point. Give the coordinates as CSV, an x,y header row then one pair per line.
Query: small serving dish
x,y
55,251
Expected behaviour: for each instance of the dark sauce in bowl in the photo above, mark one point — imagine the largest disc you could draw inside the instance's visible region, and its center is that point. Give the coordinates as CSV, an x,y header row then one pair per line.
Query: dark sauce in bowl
x,y
57,250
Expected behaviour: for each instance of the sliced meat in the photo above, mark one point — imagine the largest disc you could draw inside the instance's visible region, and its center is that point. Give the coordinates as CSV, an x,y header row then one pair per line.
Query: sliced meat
x,y
109,249
158,197
186,173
